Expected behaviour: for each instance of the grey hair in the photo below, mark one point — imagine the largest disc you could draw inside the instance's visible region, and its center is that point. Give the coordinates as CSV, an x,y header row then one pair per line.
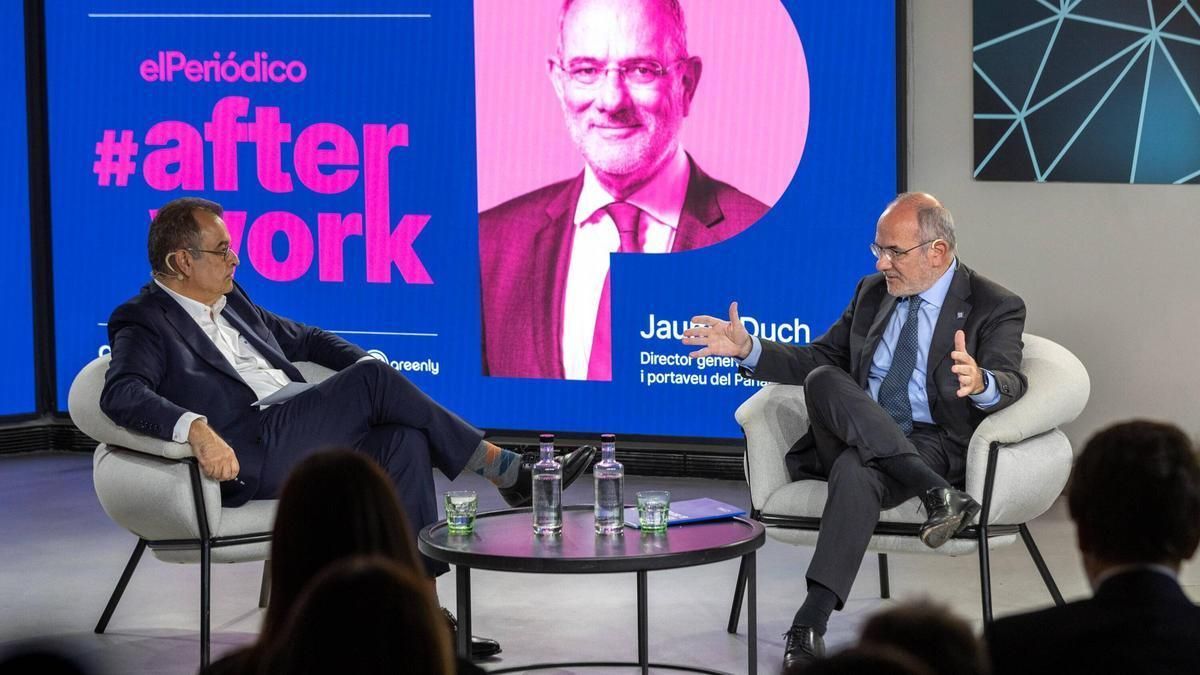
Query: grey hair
x,y
678,37
934,221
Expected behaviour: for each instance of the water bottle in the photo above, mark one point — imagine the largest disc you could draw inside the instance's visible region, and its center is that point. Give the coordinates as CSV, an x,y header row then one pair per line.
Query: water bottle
x,y
610,488
547,490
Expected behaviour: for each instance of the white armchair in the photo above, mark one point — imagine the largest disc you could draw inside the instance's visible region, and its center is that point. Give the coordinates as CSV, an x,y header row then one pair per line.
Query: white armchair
x,y
155,489
1018,463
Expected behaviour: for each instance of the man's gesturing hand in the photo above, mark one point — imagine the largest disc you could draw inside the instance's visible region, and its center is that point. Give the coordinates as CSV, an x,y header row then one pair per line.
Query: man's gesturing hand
x,y
720,338
216,458
970,376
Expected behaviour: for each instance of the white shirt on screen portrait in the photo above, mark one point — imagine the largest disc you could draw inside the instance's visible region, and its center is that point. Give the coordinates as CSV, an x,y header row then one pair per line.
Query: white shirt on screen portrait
x,y
660,201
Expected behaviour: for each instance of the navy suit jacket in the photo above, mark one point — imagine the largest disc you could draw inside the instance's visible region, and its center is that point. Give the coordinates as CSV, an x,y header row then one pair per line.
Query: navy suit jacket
x,y
992,317
163,365
525,251
1137,622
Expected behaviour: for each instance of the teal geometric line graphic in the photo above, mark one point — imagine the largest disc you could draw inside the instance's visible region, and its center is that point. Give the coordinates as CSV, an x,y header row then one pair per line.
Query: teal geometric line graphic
x,y
1137,145
1069,64
1087,120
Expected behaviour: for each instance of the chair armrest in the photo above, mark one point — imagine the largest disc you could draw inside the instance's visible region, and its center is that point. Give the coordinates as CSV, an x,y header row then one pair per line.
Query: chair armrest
x,y
773,419
83,402
1058,391
152,496
1030,475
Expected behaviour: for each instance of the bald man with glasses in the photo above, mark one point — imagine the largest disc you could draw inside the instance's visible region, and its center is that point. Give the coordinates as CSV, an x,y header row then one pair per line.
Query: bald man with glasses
x,y
926,349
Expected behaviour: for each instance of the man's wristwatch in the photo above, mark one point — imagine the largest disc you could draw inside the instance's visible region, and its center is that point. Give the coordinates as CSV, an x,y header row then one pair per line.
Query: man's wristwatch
x,y
987,380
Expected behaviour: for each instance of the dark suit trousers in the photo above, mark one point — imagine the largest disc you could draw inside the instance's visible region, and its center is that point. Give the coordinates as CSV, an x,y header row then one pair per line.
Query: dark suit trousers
x,y
851,431
373,409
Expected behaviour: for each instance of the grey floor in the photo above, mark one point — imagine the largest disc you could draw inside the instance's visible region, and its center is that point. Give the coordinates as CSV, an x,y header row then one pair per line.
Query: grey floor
x,y
60,557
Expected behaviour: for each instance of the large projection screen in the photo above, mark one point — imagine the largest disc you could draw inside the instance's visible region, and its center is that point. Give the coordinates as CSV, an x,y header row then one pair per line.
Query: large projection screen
x,y
354,146
16,281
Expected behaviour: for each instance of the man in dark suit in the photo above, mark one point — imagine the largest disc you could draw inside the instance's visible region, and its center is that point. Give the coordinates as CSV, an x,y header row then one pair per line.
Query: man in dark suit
x,y
194,360
925,350
625,82
1135,499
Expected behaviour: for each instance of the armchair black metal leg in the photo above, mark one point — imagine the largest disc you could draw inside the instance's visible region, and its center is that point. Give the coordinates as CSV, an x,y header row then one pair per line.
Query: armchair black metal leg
x,y
264,591
205,560
1047,578
138,549
985,576
885,586
985,564
205,599
739,591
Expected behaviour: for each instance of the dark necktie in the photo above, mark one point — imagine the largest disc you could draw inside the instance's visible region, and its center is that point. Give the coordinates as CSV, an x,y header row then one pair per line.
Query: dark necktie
x,y
626,217
893,393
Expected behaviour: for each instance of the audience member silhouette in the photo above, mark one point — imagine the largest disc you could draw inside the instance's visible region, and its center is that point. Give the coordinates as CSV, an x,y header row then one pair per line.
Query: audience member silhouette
x,y
335,505
46,657
930,633
862,661
363,615
1135,498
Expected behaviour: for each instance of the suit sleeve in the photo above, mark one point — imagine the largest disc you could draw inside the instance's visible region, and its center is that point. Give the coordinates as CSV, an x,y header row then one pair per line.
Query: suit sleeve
x,y
129,397
791,364
999,350
301,342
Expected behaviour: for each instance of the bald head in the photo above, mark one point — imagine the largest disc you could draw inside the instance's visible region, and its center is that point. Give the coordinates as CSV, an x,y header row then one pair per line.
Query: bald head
x,y
914,242
934,221
914,200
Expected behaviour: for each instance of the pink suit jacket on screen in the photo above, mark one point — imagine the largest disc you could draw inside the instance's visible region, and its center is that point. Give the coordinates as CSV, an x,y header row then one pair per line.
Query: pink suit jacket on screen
x,y
525,249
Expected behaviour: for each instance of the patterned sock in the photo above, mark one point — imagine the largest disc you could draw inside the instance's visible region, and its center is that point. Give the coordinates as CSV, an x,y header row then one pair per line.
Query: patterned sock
x,y
496,464
818,605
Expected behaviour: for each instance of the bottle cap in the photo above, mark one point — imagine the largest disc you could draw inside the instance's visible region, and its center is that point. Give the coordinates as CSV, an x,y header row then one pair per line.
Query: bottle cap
x,y
546,438
608,438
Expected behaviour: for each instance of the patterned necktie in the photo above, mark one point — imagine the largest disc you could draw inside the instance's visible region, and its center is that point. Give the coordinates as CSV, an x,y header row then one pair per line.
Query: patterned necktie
x,y
626,217
893,393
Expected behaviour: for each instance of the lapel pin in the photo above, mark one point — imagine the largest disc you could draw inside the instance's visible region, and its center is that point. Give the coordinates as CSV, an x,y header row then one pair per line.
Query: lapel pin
x,y
961,314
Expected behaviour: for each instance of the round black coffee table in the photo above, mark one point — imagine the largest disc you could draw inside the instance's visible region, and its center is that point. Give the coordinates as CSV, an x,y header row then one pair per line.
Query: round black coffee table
x,y
504,541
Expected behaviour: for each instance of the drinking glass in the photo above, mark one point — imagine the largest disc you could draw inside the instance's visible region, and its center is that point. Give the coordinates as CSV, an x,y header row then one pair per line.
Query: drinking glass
x,y
653,508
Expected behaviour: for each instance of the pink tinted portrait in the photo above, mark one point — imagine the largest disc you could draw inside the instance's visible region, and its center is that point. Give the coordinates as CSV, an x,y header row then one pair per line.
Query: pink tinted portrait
x,y
619,126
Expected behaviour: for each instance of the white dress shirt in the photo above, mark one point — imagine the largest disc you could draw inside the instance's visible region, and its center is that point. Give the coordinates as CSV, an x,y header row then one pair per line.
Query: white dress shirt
x,y
255,370
660,201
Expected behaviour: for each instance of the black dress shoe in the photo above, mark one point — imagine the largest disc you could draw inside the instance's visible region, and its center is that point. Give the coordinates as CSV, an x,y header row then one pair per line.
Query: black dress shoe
x,y
950,512
574,463
804,646
481,647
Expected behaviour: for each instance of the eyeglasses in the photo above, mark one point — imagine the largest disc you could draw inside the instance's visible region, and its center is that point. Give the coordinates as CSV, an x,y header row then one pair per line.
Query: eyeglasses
x,y
588,74
226,254
893,253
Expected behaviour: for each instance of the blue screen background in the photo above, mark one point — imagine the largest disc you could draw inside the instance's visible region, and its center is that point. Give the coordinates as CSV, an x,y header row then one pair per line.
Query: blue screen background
x,y
799,263
16,281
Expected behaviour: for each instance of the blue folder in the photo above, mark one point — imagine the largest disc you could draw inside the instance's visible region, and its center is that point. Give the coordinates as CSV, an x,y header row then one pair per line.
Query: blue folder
x,y
690,511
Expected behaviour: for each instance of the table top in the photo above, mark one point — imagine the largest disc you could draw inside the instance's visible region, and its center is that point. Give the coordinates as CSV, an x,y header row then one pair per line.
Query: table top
x,y
504,541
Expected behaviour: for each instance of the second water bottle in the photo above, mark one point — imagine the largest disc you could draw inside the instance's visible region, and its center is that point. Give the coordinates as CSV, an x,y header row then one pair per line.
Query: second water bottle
x,y
610,488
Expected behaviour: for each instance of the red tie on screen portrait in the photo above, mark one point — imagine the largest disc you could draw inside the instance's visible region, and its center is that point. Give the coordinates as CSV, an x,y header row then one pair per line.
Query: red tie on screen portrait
x,y
627,219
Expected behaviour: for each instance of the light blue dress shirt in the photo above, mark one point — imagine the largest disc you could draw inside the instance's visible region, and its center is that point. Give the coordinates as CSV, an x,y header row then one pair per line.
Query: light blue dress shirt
x,y
931,307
